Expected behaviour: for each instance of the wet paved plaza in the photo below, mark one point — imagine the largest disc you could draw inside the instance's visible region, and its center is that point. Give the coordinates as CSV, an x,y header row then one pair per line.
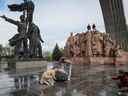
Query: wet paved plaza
x,y
95,82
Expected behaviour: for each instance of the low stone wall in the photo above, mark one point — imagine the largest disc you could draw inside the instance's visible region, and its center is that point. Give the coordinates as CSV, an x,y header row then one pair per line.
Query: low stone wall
x,y
92,60
101,60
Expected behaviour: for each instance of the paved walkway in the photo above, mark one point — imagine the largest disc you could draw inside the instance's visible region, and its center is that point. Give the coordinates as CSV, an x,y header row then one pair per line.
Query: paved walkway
x,y
95,82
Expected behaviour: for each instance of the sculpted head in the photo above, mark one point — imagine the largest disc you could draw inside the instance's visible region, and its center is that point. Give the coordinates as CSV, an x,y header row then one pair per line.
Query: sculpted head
x,y
22,18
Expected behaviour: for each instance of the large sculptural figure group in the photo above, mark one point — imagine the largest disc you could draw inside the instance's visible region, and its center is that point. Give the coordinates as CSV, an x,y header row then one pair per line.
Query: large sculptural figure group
x,y
90,44
27,41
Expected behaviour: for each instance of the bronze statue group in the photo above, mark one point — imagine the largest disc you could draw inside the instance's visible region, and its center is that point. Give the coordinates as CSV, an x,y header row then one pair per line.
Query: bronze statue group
x,y
27,41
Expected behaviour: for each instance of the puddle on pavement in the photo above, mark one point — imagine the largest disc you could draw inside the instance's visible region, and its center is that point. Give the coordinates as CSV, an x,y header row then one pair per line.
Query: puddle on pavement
x,y
23,83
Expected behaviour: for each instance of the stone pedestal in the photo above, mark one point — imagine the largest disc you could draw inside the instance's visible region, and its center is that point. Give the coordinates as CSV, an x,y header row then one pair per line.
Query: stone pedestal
x,y
31,64
92,60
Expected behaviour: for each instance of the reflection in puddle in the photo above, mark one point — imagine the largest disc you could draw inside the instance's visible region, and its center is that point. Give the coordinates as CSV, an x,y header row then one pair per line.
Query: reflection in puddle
x,y
25,83
6,84
102,93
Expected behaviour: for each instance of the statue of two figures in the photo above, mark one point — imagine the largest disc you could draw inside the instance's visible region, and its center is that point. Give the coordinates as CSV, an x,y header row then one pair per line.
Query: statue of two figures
x,y
27,41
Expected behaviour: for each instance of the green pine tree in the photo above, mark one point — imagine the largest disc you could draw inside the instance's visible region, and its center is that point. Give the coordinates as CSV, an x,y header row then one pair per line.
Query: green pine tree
x,y
57,53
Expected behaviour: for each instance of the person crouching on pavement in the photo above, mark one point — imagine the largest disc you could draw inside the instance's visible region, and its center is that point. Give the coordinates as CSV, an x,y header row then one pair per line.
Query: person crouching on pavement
x,y
54,74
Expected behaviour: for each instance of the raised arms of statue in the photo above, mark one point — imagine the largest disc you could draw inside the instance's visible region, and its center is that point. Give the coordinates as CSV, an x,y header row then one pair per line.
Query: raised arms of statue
x,y
10,20
27,7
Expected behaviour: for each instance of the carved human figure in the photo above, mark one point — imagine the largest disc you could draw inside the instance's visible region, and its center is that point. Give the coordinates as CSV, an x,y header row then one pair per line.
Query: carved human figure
x,y
35,41
115,50
82,44
76,47
19,40
70,44
77,39
97,44
87,41
108,45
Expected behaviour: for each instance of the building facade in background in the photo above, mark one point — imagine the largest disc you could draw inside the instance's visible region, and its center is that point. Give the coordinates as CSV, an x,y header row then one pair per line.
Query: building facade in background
x,y
114,19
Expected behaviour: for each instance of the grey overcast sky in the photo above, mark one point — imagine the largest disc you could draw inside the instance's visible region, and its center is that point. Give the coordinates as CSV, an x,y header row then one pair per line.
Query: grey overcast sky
x,y
56,19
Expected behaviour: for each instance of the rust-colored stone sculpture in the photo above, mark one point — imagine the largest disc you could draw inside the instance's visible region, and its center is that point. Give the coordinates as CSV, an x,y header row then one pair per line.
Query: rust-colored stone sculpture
x,y
92,46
